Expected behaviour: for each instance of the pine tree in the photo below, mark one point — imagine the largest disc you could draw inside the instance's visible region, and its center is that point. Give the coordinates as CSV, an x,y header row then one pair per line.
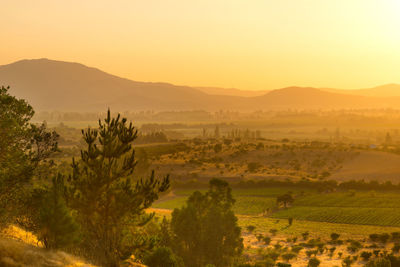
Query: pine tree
x,y
109,201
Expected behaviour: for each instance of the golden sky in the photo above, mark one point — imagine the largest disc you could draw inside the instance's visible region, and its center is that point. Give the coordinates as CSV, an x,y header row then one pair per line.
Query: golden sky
x,y
247,44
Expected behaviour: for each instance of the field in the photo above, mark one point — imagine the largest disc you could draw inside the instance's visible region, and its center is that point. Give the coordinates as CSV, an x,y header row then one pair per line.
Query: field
x,y
360,208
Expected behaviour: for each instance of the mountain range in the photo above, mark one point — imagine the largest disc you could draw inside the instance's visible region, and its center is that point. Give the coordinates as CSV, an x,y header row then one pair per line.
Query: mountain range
x,y
64,86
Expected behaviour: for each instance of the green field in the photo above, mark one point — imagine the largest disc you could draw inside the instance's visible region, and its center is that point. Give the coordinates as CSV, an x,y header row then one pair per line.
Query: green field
x,y
248,201
361,208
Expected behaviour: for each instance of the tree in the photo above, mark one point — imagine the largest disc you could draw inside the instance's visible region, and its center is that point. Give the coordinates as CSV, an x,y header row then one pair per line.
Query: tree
x,y
24,148
162,257
50,218
285,199
206,229
109,201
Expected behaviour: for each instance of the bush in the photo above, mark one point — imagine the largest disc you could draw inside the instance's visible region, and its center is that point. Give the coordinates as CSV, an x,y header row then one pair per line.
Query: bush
x,y
250,228
305,235
314,262
267,240
273,255
396,247
282,264
379,262
288,256
384,237
396,236
273,231
347,262
296,249
374,237
335,236
365,255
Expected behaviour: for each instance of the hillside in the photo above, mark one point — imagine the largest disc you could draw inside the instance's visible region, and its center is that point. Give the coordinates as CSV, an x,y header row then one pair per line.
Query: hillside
x,y
56,85
370,165
387,90
64,86
232,91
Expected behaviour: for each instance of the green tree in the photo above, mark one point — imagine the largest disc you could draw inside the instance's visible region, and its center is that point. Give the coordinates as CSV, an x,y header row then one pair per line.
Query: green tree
x,y
206,229
50,218
109,201
24,148
162,257
285,199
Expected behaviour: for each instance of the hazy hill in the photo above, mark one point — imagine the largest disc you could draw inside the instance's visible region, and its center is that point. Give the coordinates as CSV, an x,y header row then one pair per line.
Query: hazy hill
x,y
387,90
232,91
64,86
57,85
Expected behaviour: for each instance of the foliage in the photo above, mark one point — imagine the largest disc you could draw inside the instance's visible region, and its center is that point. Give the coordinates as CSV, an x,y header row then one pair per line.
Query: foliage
x,y
162,257
24,149
285,199
379,262
206,229
335,236
50,219
250,228
110,203
313,262
366,255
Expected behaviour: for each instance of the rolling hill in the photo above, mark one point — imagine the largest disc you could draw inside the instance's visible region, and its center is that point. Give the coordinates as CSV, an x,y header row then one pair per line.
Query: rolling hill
x,y
64,86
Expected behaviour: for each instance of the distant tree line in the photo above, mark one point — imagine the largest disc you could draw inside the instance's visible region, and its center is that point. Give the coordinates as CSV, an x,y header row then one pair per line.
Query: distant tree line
x,y
322,186
154,137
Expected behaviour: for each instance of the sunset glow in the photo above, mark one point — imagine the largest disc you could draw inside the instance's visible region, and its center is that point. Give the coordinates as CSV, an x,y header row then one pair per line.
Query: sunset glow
x,y
252,45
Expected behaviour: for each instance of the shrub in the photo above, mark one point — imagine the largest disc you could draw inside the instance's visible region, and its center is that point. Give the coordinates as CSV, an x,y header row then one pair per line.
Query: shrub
x,y
331,251
288,256
282,264
365,255
374,237
250,228
305,235
273,231
335,236
395,236
379,262
267,240
296,249
384,237
259,237
273,255
396,247
347,262
314,262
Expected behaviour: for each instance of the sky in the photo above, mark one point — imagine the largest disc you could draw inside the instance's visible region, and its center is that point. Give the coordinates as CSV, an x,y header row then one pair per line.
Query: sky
x,y
246,44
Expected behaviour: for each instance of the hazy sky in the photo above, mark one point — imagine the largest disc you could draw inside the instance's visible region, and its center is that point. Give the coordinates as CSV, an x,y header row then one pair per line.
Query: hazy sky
x,y
248,44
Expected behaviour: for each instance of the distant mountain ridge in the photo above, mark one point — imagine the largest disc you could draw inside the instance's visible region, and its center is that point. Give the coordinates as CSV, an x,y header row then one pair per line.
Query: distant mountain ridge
x,y
56,85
